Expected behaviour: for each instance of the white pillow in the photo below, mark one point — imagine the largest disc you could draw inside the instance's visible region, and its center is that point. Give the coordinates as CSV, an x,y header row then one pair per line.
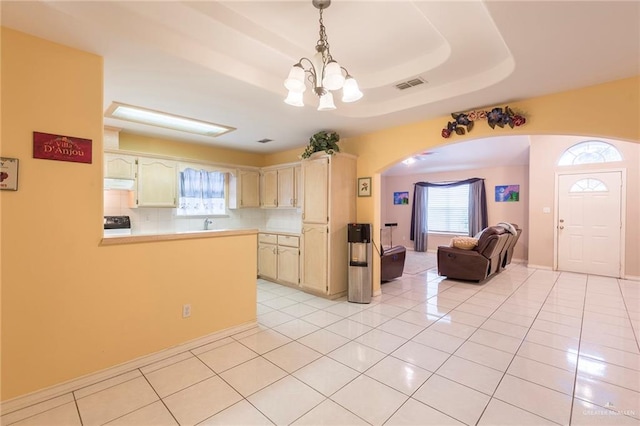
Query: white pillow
x,y
509,227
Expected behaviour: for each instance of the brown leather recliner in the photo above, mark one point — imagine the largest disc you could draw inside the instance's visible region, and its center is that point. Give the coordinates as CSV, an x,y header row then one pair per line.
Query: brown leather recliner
x,y
478,263
392,263
507,253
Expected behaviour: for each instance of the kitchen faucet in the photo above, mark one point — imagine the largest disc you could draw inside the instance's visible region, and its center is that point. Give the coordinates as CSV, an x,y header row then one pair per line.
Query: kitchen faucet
x,y
208,221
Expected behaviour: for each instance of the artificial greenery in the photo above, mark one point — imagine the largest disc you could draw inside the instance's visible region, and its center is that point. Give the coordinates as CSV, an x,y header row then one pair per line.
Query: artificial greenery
x,y
326,141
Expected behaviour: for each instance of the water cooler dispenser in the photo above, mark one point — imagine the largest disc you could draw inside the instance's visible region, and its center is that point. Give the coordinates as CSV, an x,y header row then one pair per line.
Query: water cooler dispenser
x,y
360,262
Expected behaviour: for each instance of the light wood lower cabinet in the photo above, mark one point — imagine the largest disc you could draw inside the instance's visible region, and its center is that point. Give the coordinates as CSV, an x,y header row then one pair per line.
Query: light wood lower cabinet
x,y
315,261
268,261
289,264
279,258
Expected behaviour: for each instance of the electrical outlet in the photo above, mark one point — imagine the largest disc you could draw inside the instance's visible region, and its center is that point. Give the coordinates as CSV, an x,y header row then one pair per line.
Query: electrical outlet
x,y
186,311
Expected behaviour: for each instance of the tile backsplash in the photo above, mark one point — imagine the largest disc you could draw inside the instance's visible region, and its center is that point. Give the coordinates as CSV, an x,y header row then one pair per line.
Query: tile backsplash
x,y
164,221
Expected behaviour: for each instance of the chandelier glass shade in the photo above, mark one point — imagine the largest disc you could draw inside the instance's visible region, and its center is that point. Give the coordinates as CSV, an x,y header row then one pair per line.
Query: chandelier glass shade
x,y
323,72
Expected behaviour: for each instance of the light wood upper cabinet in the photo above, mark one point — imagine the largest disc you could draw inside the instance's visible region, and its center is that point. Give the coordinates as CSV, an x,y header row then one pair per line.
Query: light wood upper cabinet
x,y
286,187
278,187
298,187
117,166
270,188
250,184
315,180
244,189
157,183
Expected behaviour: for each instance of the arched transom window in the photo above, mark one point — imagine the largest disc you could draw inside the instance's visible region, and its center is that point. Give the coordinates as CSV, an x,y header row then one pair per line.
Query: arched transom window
x,y
589,185
589,152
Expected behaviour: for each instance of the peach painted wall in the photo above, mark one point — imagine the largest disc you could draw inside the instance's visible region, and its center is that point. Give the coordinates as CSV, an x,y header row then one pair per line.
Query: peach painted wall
x,y
171,148
514,212
606,110
65,307
71,307
544,155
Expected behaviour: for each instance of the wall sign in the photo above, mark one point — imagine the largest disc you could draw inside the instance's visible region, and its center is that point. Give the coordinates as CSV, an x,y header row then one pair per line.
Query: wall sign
x,y
9,173
61,148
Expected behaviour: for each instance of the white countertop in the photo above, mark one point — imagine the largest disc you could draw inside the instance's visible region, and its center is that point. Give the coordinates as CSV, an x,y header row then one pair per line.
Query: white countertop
x,y
187,235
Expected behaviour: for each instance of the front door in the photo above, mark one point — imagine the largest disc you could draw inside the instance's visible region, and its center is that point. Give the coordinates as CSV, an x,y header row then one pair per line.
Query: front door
x,y
590,223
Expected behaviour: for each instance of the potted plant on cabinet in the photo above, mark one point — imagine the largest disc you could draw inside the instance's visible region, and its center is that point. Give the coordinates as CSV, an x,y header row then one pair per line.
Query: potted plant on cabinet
x,y
326,141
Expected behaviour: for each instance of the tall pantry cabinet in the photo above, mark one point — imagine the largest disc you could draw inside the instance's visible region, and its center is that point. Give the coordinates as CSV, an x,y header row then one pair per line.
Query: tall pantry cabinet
x,y
329,204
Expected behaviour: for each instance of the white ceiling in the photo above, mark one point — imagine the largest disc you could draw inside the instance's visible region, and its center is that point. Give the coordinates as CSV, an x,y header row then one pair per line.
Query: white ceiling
x,y
225,62
480,153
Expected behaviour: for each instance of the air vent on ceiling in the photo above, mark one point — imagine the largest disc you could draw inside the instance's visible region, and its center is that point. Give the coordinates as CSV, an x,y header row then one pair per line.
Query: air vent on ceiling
x,y
265,140
410,83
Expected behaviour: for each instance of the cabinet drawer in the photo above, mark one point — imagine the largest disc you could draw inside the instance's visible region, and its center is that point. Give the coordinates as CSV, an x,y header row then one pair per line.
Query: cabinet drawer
x,y
287,240
268,238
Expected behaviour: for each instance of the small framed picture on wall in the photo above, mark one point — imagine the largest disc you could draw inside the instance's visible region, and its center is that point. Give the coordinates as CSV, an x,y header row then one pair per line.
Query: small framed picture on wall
x,y
9,174
364,187
401,198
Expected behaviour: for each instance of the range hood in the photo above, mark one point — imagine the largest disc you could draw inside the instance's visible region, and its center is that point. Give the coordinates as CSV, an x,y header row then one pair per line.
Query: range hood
x,y
121,184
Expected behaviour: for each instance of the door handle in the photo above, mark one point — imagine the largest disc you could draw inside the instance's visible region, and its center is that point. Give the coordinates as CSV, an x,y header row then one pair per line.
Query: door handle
x,y
560,227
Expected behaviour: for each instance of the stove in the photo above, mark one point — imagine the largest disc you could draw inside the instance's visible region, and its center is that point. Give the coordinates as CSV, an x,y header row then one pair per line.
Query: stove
x,y
117,226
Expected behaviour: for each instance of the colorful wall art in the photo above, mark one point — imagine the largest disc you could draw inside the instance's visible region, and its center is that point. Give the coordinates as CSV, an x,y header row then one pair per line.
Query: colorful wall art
x,y
507,193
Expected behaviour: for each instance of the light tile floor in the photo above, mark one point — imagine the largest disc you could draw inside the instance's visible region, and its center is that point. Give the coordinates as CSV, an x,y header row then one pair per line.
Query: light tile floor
x,y
528,347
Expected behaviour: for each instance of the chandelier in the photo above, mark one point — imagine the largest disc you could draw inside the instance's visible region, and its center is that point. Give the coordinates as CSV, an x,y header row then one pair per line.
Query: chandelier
x,y
323,72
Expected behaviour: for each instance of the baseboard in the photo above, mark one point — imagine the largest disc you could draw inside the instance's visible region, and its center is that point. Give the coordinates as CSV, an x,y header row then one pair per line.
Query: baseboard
x,y
74,384
545,268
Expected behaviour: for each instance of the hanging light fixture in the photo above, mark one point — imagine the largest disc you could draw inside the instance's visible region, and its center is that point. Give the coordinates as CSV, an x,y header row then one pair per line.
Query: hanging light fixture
x,y
323,72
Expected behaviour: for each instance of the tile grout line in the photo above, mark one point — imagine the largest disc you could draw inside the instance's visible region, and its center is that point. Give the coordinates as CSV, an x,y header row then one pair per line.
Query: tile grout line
x,y
452,354
578,360
516,352
575,376
626,307
75,402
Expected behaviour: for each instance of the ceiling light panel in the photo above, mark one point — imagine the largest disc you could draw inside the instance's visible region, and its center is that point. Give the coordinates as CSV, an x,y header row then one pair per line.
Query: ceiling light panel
x,y
165,120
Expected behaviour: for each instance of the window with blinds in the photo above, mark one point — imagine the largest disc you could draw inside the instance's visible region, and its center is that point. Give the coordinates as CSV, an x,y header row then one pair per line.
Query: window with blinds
x,y
448,209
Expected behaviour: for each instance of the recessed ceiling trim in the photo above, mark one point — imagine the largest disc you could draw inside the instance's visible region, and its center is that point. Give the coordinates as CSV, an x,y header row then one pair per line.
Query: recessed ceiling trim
x,y
165,120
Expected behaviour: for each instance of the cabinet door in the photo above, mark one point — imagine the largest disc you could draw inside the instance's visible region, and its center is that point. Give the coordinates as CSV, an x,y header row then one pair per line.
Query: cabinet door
x,y
249,185
285,187
267,261
157,183
118,166
288,264
314,258
315,178
297,184
270,188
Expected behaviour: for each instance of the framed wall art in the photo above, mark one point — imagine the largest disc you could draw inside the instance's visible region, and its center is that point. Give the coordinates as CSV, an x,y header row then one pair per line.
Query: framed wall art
x,y
364,187
9,173
401,198
507,193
